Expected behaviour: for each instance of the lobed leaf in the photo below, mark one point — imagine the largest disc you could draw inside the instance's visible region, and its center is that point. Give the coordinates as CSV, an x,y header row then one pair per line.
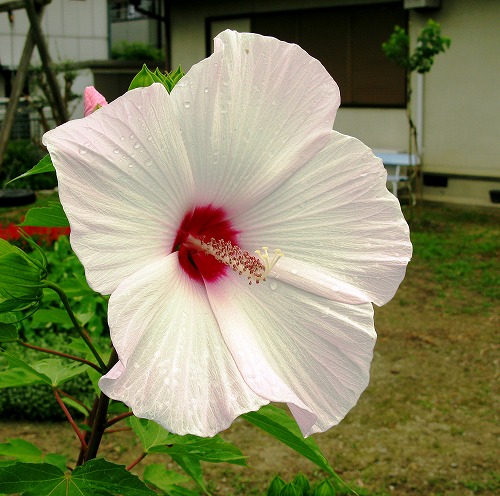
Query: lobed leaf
x,y
97,478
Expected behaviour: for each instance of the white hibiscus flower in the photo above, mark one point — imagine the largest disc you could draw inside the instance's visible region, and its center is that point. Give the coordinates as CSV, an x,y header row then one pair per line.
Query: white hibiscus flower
x,y
240,155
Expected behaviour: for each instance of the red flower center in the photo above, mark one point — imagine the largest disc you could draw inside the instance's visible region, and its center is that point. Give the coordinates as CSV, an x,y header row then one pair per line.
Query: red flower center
x,y
204,223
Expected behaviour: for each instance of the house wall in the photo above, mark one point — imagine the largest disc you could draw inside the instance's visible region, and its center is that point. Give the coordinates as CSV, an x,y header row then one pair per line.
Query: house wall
x,y
74,31
461,138
461,121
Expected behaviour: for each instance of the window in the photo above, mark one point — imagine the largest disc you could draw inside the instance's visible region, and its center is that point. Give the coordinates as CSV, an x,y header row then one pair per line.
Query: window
x,y
347,41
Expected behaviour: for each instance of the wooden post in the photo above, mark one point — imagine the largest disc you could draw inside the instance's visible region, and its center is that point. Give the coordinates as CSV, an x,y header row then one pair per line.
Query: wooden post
x,y
59,108
17,88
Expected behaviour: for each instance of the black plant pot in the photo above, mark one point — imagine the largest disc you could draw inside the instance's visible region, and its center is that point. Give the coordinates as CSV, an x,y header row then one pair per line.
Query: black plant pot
x,y
16,197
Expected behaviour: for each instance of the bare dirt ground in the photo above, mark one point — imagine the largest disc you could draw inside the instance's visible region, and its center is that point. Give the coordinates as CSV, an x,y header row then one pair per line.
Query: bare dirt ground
x,y
427,424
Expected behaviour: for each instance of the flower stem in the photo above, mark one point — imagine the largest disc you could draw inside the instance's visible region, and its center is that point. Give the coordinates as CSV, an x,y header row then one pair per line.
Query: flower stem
x,y
74,320
83,405
70,419
135,462
113,421
99,419
58,353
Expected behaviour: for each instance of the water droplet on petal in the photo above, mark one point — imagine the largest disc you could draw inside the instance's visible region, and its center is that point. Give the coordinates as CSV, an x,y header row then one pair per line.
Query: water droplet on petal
x,y
137,145
294,271
187,104
273,286
206,90
82,151
116,151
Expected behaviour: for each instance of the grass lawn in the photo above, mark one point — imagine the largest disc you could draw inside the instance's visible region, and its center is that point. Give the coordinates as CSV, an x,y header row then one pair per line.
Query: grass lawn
x,y
428,422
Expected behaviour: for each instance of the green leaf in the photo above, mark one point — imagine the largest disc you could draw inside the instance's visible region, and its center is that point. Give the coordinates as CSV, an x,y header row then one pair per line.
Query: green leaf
x,y
20,373
97,478
21,450
155,439
211,449
144,78
20,279
58,371
51,216
32,479
160,477
75,405
52,315
325,488
278,424
49,371
277,484
150,433
45,165
290,490
192,467
302,484
8,332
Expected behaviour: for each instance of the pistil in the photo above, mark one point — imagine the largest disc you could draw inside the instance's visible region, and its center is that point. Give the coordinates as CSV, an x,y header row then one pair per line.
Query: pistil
x,y
241,261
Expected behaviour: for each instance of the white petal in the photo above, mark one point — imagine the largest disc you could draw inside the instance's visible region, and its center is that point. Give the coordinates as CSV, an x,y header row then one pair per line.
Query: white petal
x,y
295,347
174,365
251,114
125,183
335,215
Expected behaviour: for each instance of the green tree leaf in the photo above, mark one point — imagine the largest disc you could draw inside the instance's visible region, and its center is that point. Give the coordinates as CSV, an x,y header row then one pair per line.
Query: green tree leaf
x,y
96,478
278,424
45,165
51,216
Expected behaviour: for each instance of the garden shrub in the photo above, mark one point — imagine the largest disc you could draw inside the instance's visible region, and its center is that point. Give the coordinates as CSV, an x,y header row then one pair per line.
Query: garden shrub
x,y
51,328
136,51
20,155
37,402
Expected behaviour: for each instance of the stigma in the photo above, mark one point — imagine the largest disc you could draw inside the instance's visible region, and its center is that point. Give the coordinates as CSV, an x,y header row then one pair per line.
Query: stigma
x,y
256,269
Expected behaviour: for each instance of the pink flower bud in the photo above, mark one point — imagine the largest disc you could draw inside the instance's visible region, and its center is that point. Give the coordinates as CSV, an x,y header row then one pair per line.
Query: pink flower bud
x,y
92,100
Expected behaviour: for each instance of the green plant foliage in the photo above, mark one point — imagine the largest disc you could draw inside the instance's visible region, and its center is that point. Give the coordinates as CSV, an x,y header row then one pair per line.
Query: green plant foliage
x,y
97,477
23,451
51,216
324,488
41,96
277,484
167,480
146,77
302,484
20,155
430,42
278,424
44,165
20,279
136,50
